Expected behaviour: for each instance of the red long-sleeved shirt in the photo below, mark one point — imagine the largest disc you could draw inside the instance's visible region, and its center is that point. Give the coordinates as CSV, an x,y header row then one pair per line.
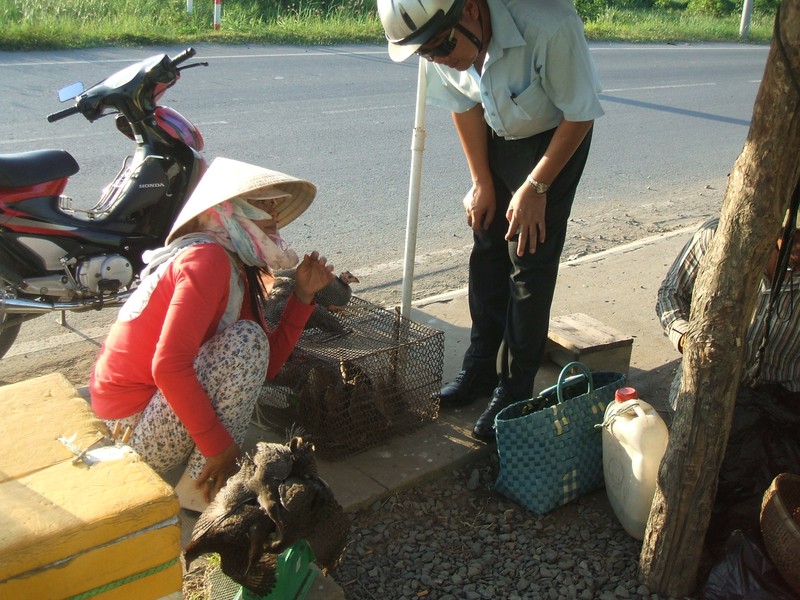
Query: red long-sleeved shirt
x,y
157,349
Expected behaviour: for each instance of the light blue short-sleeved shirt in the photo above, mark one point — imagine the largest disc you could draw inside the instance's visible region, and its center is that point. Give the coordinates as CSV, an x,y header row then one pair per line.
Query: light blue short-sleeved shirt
x,y
538,71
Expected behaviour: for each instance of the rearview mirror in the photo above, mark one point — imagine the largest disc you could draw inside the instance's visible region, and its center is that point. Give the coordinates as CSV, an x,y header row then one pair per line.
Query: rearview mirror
x,y
69,92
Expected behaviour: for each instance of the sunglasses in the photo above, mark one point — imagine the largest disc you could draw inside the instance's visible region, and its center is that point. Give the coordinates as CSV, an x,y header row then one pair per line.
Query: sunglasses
x,y
440,50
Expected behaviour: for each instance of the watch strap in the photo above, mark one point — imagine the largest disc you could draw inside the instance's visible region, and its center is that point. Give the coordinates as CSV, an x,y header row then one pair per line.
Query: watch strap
x,y
541,188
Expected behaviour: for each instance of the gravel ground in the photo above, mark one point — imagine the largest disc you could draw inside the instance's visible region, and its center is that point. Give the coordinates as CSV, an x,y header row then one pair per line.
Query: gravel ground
x,y
454,538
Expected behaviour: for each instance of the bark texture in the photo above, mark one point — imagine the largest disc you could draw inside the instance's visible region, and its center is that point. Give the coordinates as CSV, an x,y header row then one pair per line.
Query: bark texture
x,y
758,194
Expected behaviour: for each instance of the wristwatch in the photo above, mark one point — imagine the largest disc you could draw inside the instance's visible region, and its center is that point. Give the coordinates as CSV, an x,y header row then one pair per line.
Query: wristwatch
x,y
541,188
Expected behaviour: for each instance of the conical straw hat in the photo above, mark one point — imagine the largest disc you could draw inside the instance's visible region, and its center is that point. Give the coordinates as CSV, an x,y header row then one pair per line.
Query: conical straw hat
x,y
227,178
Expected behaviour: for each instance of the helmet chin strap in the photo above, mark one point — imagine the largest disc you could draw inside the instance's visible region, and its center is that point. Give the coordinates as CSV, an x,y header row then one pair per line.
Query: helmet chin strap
x,y
478,43
471,36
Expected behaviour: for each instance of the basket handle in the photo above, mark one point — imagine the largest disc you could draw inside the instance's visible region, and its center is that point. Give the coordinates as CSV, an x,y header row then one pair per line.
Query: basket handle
x,y
563,380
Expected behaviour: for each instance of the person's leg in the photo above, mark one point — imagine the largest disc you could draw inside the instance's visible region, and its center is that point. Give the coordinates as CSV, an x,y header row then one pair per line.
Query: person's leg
x,y
231,367
489,291
488,294
533,277
232,371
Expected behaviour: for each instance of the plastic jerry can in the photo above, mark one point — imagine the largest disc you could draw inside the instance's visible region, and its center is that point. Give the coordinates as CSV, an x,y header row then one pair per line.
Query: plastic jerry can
x,y
634,441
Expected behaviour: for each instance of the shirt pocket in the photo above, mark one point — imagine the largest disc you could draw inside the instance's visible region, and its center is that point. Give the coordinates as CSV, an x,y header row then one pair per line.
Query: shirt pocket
x,y
531,103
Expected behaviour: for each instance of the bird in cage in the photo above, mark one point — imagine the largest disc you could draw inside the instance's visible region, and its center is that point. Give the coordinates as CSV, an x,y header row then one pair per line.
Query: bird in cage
x,y
331,299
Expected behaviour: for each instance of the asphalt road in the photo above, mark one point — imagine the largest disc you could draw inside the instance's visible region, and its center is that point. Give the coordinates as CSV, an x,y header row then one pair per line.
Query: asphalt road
x,y
676,119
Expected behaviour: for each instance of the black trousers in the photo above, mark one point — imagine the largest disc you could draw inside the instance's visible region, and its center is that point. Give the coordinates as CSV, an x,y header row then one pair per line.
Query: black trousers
x,y
510,296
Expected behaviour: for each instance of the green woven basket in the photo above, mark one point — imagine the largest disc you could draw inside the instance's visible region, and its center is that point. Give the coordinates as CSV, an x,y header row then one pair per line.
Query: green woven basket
x,y
293,578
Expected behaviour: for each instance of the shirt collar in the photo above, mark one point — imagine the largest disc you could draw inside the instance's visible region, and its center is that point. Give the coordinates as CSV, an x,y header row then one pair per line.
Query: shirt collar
x,y
505,33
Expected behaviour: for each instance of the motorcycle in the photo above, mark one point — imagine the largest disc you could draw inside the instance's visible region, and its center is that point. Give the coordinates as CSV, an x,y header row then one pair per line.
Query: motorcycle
x,y
54,257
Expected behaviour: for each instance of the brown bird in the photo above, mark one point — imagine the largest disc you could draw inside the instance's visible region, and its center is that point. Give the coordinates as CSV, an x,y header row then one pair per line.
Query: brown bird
x,y
307,509
275,499
235,527
299,501
332,298
275,464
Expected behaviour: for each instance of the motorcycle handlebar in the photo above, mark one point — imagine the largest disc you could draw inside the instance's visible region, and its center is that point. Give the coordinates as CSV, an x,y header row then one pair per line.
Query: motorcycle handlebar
x,y
184,56
95,101
62,114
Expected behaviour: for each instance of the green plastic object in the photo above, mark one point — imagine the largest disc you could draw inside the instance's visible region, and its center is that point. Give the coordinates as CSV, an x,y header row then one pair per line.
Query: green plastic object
x,y
293,578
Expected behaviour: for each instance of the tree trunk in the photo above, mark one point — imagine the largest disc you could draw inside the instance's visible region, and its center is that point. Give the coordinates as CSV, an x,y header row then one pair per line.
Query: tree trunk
x,y
758,193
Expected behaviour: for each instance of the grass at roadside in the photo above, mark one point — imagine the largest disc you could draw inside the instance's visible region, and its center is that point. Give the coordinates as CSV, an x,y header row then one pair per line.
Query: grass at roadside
x,y
674,27
58,24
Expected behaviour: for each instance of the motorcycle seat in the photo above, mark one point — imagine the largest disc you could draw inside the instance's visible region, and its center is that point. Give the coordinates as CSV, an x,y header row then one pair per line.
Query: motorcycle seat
x,y
23,169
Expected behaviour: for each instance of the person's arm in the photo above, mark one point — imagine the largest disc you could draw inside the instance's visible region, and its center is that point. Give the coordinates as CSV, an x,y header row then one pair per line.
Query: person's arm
x,y
480,202
565,71
201,289
526,210
673,304
311,275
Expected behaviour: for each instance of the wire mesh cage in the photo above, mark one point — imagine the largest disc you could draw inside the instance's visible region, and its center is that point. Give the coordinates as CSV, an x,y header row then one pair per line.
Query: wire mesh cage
x,y
354,382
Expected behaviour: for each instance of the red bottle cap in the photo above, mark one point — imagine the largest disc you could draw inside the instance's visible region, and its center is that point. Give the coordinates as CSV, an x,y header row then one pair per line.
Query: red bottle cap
x,y
625,393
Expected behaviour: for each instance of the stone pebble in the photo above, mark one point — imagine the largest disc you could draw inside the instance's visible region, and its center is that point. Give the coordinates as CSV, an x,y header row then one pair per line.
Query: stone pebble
x,y
455,538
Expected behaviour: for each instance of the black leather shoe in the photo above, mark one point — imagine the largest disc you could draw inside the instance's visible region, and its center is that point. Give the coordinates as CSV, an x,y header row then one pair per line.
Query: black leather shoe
x,y
484,426
466,388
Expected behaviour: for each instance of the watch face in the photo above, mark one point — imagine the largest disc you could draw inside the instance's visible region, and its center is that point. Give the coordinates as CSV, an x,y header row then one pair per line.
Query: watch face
x,y
539,188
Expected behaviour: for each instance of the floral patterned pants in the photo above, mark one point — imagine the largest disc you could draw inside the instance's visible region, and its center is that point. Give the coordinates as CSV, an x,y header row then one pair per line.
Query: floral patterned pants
x,y
231,367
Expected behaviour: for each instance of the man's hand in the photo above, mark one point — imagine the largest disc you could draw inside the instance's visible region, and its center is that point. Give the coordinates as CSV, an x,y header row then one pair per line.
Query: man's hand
x,y
525,216
480,206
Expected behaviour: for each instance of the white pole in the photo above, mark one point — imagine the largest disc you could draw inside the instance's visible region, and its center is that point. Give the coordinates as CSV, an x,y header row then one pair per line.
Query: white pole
x,y
189,6
744,25
417,149
217,13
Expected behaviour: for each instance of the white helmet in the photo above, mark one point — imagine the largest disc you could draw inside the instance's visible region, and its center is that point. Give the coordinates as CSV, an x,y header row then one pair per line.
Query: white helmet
x,y
409,24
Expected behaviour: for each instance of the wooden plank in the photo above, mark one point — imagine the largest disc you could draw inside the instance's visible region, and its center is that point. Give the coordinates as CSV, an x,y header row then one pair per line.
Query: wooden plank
x,y
579,332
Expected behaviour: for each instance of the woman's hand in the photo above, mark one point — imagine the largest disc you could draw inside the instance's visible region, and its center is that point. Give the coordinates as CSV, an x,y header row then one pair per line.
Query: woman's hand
x,y
217,470
311,275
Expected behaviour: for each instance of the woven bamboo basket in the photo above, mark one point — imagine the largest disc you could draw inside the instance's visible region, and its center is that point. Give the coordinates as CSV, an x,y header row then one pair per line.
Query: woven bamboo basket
x,y
780,526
